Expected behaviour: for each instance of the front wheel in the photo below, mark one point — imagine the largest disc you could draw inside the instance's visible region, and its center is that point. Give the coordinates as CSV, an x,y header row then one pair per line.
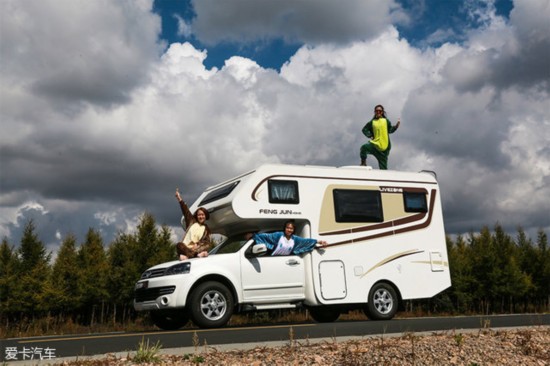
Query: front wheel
x,y
211,305
382,303
324,314
169,319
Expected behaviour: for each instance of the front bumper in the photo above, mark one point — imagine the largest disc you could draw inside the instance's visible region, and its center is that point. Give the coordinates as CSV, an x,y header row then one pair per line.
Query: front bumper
x,y
166,292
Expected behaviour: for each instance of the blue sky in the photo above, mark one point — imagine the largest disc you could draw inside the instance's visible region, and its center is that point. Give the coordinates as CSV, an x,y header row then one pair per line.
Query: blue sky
x,y
107,106
272,53
428,17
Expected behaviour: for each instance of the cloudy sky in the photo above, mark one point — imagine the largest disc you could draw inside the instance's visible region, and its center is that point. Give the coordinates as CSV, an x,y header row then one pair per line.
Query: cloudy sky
x,y
107,106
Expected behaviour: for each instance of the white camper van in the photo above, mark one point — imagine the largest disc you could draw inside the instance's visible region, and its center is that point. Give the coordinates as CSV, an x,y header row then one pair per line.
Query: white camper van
x,y
386,244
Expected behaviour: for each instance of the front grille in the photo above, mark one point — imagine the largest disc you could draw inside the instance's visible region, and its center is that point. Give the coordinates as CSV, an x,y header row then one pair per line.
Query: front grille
x,y
153,273
150,294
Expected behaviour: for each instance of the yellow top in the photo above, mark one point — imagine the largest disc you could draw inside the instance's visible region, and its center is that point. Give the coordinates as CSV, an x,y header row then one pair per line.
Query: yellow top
x,y
194,233
381,136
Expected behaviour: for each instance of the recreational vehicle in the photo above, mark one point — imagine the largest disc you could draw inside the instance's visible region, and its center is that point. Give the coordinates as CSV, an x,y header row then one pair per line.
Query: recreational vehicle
x,y
386,244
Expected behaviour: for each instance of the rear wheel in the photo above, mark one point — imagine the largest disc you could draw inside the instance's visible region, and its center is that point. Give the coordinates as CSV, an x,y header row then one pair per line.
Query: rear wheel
x,y
211,305
324,315
169,319
383,302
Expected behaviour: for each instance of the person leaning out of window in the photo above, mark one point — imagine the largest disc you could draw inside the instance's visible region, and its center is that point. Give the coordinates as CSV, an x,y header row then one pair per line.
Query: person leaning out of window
x,y
285,242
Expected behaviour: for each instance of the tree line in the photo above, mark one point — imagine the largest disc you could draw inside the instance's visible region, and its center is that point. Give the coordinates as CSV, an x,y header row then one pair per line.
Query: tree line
x,y
491,272
87,283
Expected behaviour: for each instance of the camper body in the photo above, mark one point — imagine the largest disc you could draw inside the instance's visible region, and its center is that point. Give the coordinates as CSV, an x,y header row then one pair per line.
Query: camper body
x,y
385,234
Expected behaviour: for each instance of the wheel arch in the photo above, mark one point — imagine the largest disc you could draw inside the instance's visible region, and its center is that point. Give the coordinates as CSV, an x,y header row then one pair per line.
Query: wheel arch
x,y
216,278
390,283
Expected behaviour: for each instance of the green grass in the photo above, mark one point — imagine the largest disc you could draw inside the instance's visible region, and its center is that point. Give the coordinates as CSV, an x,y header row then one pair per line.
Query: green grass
x,y
147,353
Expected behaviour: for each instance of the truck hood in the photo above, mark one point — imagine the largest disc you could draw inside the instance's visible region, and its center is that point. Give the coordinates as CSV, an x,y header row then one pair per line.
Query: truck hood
x,y
211,260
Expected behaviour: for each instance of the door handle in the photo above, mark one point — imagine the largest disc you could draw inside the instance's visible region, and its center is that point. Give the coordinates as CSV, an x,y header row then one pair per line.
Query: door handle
x,y
292,262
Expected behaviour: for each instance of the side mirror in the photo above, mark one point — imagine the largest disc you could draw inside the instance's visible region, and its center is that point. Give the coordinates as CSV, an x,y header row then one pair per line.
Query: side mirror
x,y
255,250
259,249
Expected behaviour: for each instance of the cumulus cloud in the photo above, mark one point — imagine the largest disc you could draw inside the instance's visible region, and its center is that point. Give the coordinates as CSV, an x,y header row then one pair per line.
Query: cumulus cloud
x,y
184,27
170,122
506,55
311,22
71,51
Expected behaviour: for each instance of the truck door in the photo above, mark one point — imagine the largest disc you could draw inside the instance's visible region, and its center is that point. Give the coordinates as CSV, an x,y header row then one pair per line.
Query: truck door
x,y
273,278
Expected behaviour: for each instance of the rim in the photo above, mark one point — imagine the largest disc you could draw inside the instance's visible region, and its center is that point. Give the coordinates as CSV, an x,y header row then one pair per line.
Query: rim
x,y
383,301
213,305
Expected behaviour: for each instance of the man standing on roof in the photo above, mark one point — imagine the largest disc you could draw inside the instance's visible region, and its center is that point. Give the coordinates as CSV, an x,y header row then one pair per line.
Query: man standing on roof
x,y
378,130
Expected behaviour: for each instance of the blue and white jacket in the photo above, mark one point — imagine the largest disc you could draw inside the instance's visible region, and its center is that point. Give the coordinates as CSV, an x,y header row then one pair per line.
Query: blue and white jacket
x,y
301,245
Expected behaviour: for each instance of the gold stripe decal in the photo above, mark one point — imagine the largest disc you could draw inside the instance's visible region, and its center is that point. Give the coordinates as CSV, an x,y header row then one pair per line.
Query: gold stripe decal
x,y
392,258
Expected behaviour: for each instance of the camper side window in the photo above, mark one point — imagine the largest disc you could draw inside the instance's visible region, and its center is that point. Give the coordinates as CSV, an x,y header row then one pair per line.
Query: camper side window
x,y
351,205
219,193
415,201
283,191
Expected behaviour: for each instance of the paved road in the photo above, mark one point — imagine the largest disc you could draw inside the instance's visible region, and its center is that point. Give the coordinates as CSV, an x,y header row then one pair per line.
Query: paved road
x,y
16,349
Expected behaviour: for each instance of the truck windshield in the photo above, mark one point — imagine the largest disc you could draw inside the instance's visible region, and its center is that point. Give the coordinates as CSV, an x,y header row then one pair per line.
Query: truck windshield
x,y
231,245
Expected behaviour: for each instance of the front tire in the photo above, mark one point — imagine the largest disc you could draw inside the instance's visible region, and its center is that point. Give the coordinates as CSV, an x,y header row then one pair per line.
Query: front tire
x,y
169,319
382,303
211,305
323,314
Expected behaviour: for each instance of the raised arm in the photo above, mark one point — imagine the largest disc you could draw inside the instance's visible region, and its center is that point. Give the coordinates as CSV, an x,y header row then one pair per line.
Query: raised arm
x,y
391,128
188,216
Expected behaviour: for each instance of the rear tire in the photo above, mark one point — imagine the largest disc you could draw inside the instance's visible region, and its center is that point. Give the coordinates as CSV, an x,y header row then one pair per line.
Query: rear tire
x,y
169,319
383,302
211,305
323,314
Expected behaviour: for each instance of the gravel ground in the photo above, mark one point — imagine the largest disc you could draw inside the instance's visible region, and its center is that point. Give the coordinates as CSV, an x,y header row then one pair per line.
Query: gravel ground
x,y
526,346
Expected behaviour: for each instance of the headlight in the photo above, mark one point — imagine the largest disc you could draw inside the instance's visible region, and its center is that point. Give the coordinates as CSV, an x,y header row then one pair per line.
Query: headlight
x,y
179,268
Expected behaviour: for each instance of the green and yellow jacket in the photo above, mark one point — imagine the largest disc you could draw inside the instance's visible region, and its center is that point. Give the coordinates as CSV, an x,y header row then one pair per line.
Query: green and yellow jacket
x,y
378,130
